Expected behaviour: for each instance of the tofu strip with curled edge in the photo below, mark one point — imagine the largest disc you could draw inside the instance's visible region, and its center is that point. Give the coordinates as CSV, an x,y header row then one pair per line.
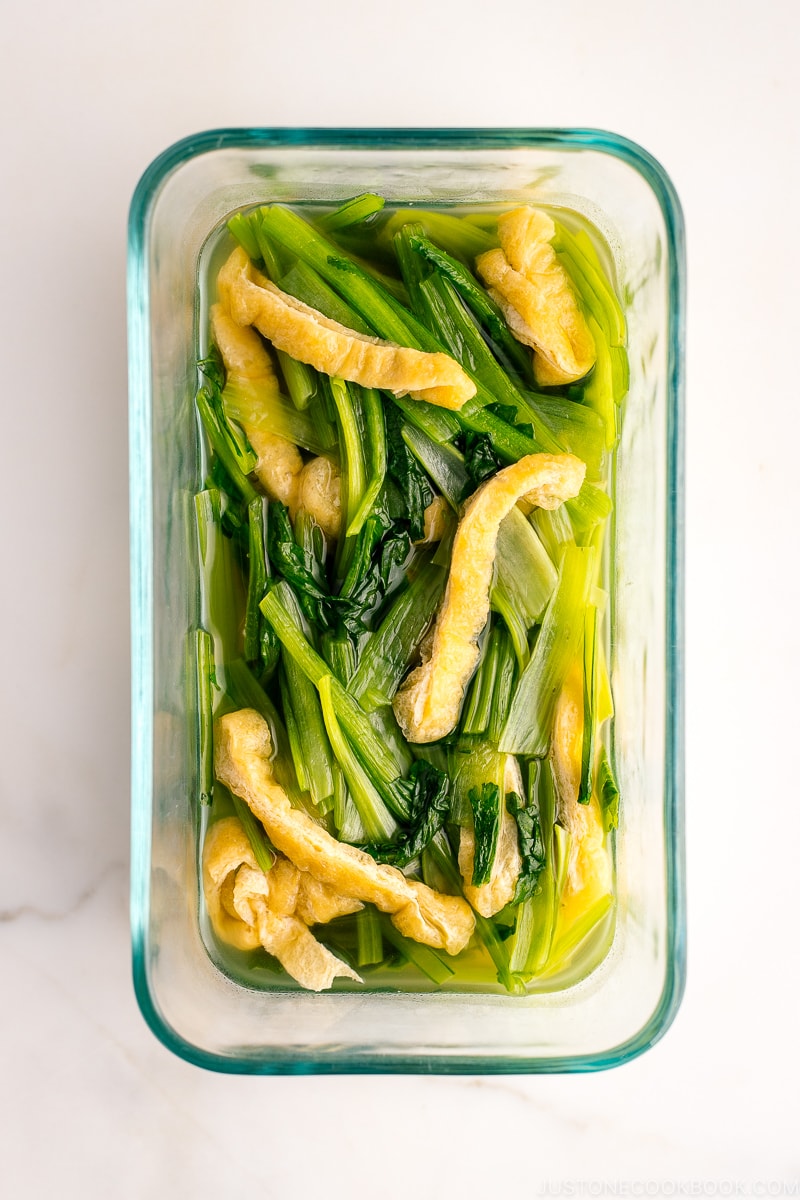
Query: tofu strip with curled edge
x,y
248,364
314,486
534,292
248,908
428,704
242,750
313,338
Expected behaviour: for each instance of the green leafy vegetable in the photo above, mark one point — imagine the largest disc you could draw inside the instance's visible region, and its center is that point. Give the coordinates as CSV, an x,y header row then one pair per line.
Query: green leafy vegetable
x,y
377,821
241,228
531,847
374,432
538,913
300,567
486,815
608,791
205,680
428,791
317,632
370,941
390,649
527,729
382,312
374,756
263,851
226,441
478,300
311,749
504,679
407,476
259,639
480,459
442,462
304,283
352,212
379,551
434,965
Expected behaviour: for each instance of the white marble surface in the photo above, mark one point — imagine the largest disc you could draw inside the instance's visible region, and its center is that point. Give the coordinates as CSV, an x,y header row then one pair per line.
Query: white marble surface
x,y
92,1105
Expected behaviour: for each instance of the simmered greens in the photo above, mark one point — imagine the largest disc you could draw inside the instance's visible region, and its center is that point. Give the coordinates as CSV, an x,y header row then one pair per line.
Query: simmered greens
x,y
408,423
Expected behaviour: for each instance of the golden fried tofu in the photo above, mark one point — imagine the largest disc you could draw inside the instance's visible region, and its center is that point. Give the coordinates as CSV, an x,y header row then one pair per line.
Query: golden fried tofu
x,y
311,337
490,897
242,759
244,354
248,908
319,492
279,467
533,290
589,876
249,365
498,891
428,703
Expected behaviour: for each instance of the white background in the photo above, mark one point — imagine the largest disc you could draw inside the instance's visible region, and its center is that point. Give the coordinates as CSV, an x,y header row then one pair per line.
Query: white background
x,y
90,92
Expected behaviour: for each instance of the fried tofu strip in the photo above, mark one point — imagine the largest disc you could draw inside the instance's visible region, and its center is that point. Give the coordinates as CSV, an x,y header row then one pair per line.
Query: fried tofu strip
x,y
488,898
311,337
589,865
320,493
242,753
314,486
248,363
533,290
248,908
428,703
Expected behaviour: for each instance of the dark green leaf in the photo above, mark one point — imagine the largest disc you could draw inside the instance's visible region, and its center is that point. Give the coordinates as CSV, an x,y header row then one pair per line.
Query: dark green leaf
x,y
509,414
256,580
480,459
428,793
486,815
234,511
299,567
506,412
531,847
407,475
212,367
379,551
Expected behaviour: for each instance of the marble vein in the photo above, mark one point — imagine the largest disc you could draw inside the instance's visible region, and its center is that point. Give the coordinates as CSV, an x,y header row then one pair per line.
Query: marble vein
x,y
9,915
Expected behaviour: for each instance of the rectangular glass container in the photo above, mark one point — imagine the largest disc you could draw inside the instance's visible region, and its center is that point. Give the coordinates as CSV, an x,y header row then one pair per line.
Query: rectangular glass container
x,y
629,1000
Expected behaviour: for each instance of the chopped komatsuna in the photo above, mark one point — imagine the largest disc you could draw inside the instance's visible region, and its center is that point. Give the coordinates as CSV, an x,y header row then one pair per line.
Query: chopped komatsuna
x,y
406,775
428,703
533,290
313,338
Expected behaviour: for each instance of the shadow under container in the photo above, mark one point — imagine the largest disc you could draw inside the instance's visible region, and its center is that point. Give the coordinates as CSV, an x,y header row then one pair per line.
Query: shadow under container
x,y
629,1000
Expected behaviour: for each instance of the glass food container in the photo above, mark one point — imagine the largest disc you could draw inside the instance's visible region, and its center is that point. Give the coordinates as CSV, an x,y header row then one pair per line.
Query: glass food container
x,y
206,1014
